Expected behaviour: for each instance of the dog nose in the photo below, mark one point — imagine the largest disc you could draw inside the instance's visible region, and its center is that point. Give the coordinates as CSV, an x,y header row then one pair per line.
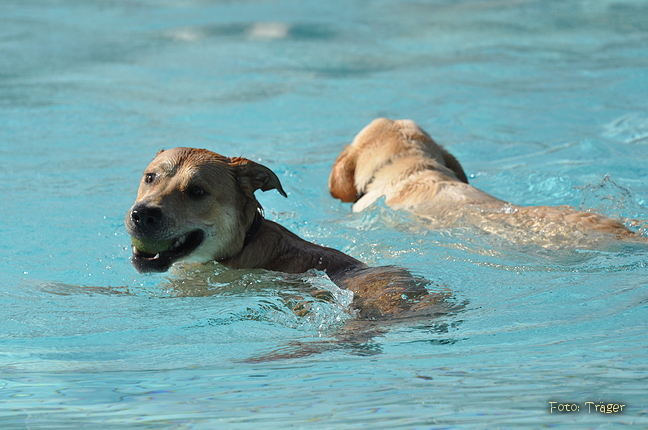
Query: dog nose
x,y
146,217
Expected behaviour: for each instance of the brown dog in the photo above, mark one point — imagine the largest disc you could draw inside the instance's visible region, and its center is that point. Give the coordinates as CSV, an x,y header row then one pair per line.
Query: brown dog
x,y
400,161
194,205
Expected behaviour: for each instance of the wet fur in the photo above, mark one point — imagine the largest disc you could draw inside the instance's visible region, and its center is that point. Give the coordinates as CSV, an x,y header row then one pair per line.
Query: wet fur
x,y
186,190
400,161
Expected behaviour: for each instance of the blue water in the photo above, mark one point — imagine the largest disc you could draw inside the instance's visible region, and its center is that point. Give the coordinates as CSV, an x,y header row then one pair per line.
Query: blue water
x,y
543,102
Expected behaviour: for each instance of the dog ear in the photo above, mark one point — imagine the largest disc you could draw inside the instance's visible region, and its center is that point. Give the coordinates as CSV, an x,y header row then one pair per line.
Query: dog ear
x,y
453,164
255,176
342,179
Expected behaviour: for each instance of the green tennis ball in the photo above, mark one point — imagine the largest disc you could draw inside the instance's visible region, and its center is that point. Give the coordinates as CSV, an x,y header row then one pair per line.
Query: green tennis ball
x,y
151,246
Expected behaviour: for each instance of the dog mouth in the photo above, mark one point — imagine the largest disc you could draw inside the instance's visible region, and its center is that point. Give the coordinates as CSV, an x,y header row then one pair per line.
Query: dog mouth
x,y
158,255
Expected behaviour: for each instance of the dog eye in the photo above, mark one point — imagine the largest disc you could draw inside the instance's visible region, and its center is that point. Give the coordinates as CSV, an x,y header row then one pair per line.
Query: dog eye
x,y
196,191
149,178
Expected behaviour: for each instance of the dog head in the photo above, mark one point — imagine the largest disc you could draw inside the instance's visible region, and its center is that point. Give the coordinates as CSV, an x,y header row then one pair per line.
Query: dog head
x,y
379,144
195,205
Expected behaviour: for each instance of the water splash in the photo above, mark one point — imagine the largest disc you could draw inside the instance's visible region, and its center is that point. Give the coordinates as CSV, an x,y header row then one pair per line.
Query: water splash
x,y
611,199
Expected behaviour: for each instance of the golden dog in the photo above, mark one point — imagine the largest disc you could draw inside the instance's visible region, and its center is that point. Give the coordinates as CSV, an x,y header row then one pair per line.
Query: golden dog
x,y
400,161
194,205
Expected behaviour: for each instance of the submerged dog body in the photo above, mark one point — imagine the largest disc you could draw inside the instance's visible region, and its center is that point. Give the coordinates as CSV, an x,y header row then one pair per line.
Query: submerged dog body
x,y
194,205
400,161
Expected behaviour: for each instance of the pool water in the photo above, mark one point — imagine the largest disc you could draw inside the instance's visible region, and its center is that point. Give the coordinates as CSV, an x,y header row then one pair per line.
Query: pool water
x,y
543,102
